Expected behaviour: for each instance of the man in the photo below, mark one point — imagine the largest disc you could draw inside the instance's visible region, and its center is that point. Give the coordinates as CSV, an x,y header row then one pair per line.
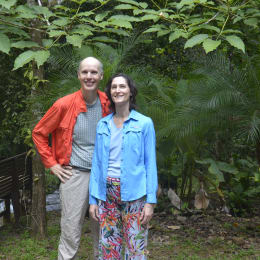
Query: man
x,y
72,122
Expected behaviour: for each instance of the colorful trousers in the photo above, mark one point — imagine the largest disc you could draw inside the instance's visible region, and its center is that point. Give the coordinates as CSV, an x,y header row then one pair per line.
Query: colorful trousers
x,y
121,220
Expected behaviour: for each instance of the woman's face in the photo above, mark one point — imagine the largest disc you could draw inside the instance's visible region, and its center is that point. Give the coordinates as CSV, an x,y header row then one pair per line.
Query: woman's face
x,y
120,91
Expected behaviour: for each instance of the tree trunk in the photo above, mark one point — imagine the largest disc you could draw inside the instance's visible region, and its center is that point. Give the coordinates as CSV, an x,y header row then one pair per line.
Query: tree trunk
x,y
38,214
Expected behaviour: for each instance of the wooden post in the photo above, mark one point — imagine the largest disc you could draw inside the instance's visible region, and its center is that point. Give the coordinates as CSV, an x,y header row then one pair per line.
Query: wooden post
x,y
15,193
7,215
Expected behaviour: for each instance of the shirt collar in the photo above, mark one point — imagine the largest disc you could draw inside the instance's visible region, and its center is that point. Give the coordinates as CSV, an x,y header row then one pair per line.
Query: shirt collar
x,y
133,115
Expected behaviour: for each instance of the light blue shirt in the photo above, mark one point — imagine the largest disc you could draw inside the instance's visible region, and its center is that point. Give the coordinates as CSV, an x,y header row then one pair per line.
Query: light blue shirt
x,y
138,160
114,161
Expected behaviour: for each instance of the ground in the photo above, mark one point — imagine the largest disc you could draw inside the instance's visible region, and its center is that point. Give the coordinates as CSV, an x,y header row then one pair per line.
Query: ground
x,y
197,235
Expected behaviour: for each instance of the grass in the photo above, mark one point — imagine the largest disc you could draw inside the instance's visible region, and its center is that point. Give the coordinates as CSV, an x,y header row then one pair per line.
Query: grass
x,y
17,244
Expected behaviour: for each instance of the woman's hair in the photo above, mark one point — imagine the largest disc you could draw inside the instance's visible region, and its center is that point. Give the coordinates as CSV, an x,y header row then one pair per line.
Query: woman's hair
x,y
133,91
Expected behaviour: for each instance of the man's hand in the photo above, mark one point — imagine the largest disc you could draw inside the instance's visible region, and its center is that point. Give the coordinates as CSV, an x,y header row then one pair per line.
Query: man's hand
x,y
62,172
146,213
93,211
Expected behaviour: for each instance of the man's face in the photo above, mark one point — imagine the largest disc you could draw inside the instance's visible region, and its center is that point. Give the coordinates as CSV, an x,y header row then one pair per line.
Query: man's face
x,y
89,75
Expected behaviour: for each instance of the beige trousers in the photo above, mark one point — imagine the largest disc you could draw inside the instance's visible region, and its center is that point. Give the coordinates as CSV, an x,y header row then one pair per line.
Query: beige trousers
x,y
74,203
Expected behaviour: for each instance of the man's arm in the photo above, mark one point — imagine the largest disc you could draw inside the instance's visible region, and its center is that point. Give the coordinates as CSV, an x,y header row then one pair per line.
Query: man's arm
x,y
40,135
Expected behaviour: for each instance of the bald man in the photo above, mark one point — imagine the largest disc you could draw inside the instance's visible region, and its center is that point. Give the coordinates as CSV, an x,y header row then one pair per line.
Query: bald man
x,y
72,123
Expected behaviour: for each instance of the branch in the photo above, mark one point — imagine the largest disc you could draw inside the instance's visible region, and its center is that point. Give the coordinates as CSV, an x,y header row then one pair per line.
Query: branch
x,y
222,29
21,26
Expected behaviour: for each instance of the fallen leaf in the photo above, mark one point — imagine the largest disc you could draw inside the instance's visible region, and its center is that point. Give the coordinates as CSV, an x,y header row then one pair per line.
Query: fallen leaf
x,y
201,199
174,227
175,200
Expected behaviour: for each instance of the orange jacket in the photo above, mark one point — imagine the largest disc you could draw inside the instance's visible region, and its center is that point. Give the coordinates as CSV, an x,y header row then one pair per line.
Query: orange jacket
x,y
59,121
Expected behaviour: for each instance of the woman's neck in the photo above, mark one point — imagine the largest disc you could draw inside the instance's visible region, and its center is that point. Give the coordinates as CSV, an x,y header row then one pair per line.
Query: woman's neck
x,y
121,115
122,112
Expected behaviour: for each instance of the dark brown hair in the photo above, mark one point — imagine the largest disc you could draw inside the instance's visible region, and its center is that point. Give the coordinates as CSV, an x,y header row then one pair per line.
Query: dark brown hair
x,y
133,91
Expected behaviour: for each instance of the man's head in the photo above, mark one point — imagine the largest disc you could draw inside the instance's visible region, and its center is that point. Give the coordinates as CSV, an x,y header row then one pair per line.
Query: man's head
x,y
90,72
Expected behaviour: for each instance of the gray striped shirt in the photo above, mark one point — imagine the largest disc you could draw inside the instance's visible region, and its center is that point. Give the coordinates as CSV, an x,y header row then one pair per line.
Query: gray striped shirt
x,y
84,135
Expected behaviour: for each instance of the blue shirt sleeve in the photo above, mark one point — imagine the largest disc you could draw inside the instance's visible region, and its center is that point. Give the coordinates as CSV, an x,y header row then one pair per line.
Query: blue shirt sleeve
x,y
93,185
150,162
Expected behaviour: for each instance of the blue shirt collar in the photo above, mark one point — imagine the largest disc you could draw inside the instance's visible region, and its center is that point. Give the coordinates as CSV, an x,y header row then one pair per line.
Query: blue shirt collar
x,y
133,115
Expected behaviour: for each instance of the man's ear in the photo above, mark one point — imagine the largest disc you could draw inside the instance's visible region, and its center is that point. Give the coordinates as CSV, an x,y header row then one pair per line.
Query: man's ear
x,y
102,75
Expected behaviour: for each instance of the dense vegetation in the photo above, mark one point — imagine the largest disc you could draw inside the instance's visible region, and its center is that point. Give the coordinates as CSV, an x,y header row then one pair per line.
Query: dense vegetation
x,y
197,67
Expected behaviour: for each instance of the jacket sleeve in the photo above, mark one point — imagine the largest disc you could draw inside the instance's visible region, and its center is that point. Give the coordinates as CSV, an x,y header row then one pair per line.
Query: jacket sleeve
x,y
40,134
93,185
150,162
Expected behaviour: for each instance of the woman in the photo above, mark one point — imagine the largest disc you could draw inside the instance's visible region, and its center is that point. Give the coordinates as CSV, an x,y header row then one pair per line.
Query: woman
x,y
123,180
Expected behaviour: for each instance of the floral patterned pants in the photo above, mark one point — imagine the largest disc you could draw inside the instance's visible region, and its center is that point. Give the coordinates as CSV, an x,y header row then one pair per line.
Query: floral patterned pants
x,y
121,219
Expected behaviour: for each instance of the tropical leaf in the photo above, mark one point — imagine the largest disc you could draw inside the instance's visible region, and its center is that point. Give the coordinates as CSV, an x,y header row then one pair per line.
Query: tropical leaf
x,y
104,39
197,39
61,21
75,40
101,16
124,7
121,23
236,42
210,45
8,3
41,57
252,22
132,2
124,18
24,44
56,33
5,44
23,59
176,35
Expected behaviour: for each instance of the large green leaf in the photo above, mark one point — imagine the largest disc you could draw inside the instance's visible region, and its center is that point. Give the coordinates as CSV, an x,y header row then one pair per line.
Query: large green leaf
x,y
197,39
8,3
143,5
4,43
227,167
124,7
41,57
185,2
101,16
124,18
82,31
13,30
75,40
56,33
61,21
176,35
231,31
44,11
129,2
104,39
47,42
84,14
163,32
152,29
121,23
23,59
25,12
251,22
210,45
24,44
236,42
213,169
150,17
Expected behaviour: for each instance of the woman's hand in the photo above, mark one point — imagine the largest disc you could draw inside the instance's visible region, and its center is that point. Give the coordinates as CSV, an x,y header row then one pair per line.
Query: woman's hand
x,y
146,213
93,211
